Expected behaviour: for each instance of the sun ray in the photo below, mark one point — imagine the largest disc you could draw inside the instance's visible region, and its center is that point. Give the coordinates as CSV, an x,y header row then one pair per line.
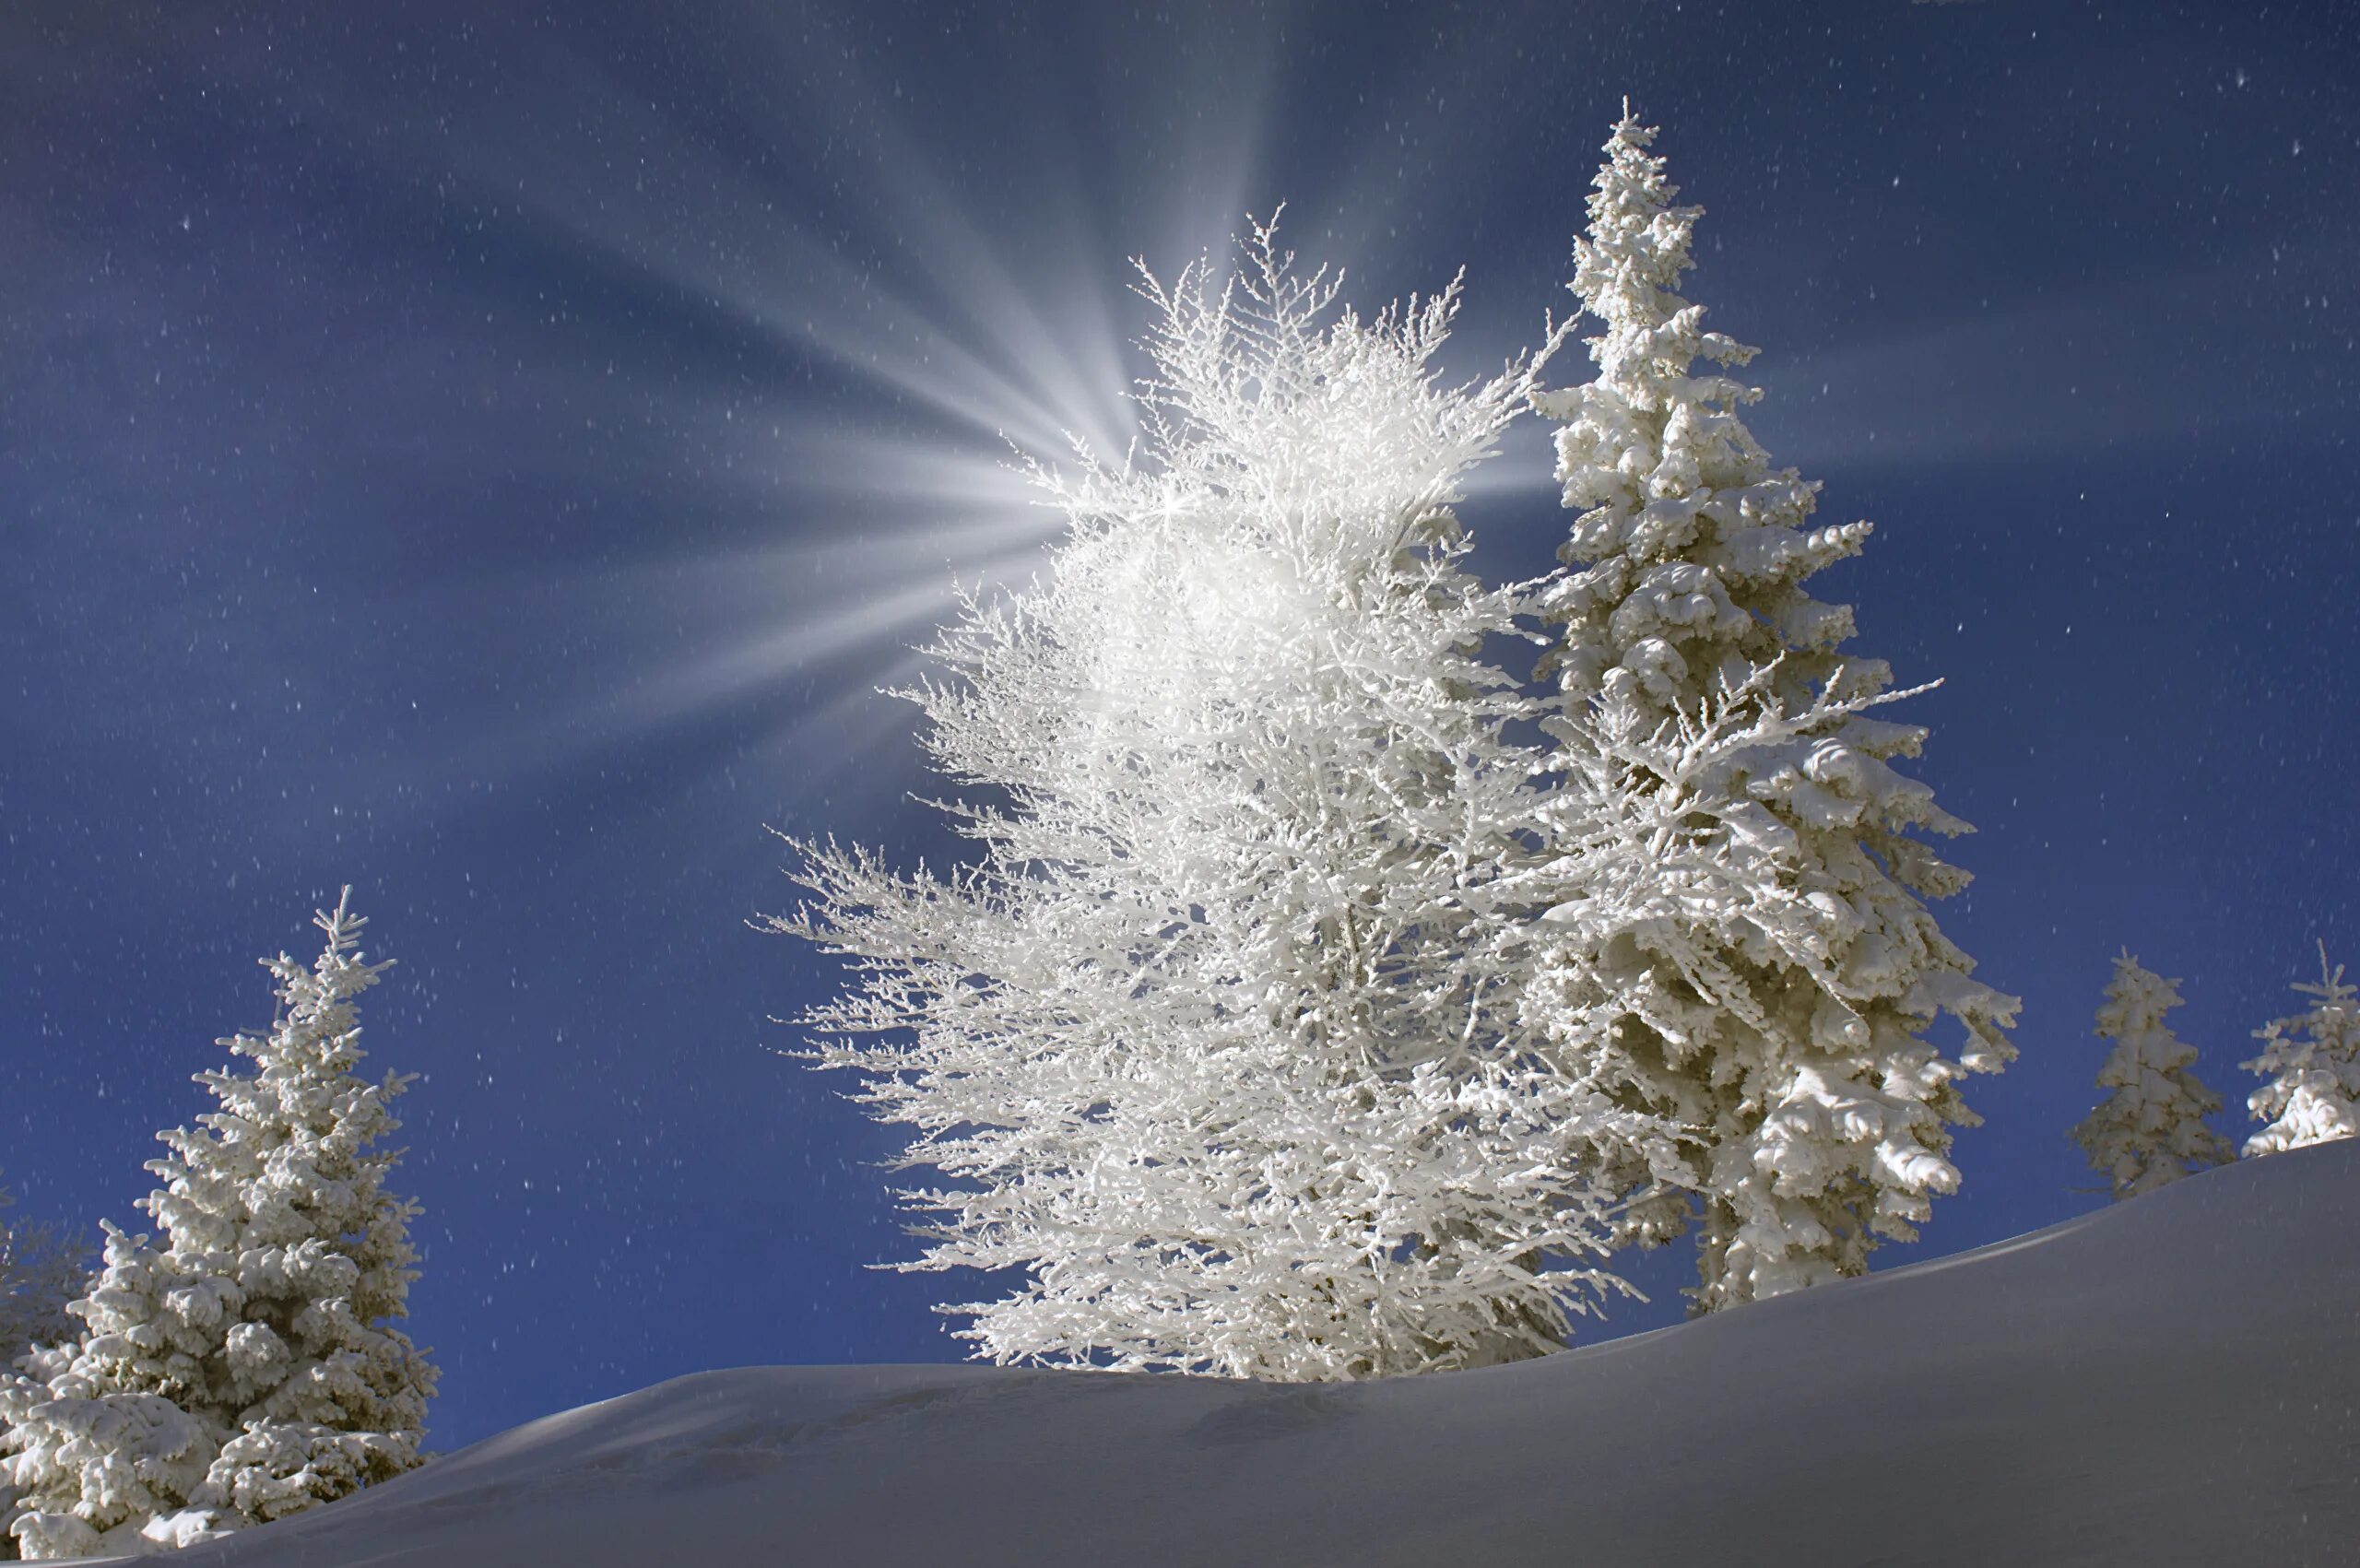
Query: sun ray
x,y
948,346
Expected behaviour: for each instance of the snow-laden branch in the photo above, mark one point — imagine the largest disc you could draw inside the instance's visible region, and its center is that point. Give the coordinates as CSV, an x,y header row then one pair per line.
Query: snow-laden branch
x,y
1217,1039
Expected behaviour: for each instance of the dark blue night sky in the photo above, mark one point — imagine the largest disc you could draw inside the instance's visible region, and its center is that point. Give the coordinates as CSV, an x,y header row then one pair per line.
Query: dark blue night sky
x,y
490,455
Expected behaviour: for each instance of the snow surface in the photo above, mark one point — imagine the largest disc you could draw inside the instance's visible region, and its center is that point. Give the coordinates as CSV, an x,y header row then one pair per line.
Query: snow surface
x,y
2171,1381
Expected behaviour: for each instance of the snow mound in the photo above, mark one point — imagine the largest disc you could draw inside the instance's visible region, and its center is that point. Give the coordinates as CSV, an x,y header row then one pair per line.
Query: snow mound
x,y
2171,1381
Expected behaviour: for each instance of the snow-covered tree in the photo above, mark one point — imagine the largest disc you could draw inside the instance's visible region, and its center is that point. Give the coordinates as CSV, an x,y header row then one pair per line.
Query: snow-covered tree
x,y
1779,1011
42,1269
244,1364
2150,1131
2312,1063
1217,1039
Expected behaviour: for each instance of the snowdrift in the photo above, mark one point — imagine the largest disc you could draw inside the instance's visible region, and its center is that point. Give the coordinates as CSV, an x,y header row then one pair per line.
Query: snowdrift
x,y
2172,1381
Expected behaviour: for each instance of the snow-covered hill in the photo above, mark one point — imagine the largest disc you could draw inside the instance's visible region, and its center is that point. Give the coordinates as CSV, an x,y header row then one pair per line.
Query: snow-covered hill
x,y
2173,1381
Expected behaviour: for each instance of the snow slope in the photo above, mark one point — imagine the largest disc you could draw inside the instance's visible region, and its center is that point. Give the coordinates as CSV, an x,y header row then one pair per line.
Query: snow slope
x,y
2172,1381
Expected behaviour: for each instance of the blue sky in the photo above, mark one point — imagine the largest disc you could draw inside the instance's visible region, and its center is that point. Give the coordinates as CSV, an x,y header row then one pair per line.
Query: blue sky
x,y
491,455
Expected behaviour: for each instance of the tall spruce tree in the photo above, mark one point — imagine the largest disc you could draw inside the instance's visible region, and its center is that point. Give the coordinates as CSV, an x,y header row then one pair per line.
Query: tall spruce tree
x,y
1216,1040
2150,1131
2312,1064
1783,1020
245,1364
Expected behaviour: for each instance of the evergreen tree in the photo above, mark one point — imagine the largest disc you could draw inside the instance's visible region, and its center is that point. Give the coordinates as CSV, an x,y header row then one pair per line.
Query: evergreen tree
x,y
2312,1062
2151,1130
41,1270
1216,1040
1781,1021
244,1365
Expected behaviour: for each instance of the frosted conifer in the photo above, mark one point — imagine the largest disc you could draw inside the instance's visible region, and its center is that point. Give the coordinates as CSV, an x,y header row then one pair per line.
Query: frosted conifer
x,y
1778,1010
2150,1131
1217,1040
41,1270
2312,1063
244,1365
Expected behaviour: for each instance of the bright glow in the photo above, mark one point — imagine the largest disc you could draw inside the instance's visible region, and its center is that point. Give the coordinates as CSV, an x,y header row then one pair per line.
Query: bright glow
x,y
922,337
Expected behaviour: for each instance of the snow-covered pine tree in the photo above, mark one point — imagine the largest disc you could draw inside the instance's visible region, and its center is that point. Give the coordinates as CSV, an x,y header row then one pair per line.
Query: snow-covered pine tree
x,y
41,1269
1215,1039
2312,1063
2150,1131
246,1365
1783,1021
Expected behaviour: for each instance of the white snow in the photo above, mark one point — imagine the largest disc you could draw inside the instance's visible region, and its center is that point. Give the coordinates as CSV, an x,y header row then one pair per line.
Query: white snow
x,y
2169,1381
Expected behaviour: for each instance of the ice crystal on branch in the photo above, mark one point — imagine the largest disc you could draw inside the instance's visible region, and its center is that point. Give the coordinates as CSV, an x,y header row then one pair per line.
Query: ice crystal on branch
x,y
1217,1039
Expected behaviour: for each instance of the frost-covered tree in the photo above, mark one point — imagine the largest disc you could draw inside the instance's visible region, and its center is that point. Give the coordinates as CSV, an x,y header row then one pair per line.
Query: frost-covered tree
x,y
42,1269
244,1364
1781,1015
2150,1131
2312,1063
1216,1040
